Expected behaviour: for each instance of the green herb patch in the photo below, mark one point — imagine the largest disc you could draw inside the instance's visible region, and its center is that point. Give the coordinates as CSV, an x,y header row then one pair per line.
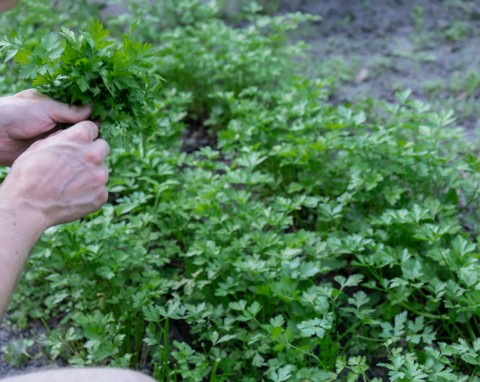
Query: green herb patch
x,y
307,242
116,77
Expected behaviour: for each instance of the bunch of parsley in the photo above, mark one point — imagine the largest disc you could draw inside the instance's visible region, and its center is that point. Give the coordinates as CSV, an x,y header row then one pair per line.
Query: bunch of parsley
x,y
115,76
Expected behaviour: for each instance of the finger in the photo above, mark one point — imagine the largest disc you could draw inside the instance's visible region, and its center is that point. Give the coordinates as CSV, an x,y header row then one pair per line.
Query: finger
x,y
30,142
84,132
62,113
106,172
58,112
97,152
54,133
51,133
103,146
31,93
100,176
102,198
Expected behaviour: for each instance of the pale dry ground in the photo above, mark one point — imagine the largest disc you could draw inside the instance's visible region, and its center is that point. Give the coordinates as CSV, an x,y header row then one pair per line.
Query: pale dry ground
x,y
375,47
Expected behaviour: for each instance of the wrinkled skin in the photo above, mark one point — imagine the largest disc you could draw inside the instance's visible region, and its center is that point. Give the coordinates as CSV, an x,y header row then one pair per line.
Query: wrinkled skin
x,y
61,178
29,116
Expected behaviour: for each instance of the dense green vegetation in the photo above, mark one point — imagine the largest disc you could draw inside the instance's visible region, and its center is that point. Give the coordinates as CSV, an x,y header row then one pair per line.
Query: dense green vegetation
x,y
114,77
304,242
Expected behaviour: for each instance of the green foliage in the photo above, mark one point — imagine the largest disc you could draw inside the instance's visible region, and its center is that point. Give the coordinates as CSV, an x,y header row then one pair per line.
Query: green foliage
x,y
457,31
115,77
36,19
201,54
304,242
227,61
16,352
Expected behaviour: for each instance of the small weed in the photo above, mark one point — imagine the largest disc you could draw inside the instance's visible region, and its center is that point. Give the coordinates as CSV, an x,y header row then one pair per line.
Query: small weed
x,y
457,31
418,18
16,352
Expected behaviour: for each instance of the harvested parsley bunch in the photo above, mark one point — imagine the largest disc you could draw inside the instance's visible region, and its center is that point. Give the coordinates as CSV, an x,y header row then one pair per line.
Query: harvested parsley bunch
x,y
116,76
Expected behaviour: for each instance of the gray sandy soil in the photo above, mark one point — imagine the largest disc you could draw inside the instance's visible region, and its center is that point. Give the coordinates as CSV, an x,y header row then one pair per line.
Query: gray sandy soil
x,y
33,359
375,47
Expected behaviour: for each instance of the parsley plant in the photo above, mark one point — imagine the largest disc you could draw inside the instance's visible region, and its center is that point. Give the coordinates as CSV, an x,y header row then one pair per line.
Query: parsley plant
x,y
115,76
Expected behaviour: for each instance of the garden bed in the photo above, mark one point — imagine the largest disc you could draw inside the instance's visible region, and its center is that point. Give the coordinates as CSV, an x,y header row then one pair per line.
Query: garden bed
x,y
370,49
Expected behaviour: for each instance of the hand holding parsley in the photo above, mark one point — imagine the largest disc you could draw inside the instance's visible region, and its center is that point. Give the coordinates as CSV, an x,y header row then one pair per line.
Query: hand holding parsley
x,y
29,116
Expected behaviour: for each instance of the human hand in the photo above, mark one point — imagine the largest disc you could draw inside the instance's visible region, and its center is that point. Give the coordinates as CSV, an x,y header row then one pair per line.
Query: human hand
x,y
28,116
5,5
59,179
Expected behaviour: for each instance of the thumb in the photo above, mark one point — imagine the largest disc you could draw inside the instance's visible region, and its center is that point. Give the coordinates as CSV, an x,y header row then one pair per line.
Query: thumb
x,y
63,113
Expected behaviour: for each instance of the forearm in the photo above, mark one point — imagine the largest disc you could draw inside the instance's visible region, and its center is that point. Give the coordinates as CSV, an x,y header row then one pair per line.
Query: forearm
x,y
18,235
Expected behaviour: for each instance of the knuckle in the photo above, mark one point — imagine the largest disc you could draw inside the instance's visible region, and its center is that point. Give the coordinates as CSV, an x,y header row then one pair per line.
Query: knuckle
x,y
106,171
81,135
100,177
106,146
28,93
35,145
85,130
94,156
103,197
89,124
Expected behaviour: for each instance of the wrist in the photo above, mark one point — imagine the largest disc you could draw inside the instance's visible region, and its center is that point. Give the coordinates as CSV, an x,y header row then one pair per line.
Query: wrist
x,y
21,213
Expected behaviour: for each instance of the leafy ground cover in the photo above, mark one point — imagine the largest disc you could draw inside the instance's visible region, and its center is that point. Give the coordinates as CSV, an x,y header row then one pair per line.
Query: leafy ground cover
x,y
298,241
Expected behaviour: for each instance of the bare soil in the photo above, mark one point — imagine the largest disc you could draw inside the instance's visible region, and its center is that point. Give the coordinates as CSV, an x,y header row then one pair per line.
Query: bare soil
x,y
376,47
33,359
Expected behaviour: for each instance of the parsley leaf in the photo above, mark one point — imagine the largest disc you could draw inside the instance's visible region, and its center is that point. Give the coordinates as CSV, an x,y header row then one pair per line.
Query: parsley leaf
x,y
78,68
